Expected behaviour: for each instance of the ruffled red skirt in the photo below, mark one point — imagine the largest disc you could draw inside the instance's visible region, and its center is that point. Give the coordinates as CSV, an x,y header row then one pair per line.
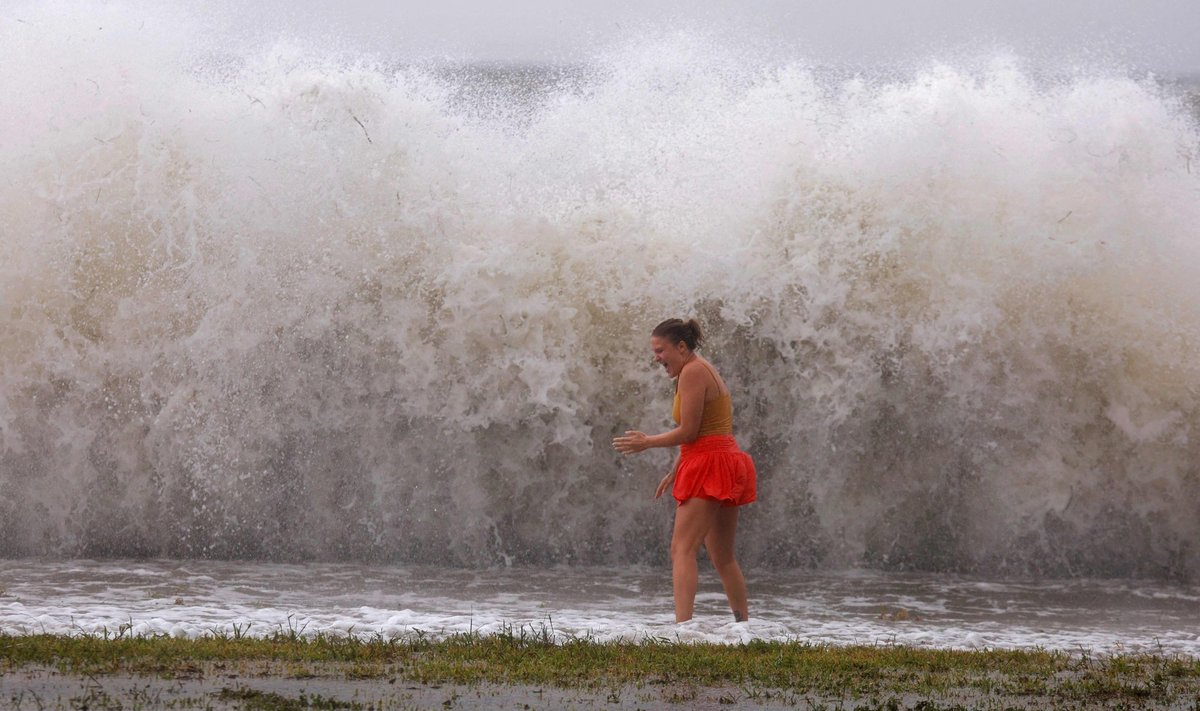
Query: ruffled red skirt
x,y
714,468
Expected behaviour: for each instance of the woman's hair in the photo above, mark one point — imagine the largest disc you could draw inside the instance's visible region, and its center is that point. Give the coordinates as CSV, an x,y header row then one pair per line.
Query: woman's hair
x,y
676,330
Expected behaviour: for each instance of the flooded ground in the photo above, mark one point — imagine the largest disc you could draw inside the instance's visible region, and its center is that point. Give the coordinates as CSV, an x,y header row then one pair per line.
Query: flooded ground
x,y
197,598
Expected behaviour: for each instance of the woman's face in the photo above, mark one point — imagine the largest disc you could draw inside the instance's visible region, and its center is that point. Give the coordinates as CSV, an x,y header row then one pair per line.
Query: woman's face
x,y
671,356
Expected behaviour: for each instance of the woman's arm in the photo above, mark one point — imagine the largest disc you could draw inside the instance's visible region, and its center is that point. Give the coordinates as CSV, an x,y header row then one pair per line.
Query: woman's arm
x,y
691,409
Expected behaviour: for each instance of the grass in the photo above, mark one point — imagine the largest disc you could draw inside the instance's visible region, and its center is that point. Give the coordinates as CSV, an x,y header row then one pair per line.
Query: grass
x,y
254,700
757,670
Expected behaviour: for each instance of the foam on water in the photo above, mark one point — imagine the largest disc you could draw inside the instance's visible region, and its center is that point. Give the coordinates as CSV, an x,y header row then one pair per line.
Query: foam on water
x,y
195,599
272,304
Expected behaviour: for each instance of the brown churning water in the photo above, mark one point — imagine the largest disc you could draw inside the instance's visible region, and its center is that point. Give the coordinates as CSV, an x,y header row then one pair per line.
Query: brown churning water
x,y
270,305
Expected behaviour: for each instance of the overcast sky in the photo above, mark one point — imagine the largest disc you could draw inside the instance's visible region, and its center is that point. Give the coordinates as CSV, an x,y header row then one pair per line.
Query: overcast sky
x,y
1161,35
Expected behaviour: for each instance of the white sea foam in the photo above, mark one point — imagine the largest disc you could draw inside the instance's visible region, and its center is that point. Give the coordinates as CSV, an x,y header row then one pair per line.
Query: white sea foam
x,y
267,303
195,599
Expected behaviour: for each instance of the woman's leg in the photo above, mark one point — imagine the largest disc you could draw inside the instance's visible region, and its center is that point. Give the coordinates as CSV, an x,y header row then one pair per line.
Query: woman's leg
x,y
720,545
693,520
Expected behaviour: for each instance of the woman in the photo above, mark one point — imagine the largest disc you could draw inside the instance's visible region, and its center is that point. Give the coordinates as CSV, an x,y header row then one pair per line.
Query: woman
x,y
711,476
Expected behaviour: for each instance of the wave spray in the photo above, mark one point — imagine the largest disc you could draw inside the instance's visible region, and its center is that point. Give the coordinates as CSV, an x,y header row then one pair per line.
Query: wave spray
x,y
266,304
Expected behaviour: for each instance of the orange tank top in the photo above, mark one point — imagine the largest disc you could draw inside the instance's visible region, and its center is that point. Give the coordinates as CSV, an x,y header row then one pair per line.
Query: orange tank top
x,y
716,418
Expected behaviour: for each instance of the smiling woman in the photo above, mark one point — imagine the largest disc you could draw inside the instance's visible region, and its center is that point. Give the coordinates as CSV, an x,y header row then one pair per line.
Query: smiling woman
x,y
711,476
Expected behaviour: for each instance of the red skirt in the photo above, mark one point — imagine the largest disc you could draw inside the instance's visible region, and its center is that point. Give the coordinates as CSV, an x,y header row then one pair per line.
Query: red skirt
x,y
714,468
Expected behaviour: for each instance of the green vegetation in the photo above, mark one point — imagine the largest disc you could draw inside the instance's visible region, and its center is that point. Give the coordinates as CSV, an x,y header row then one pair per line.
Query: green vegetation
x,y
755,671
269,701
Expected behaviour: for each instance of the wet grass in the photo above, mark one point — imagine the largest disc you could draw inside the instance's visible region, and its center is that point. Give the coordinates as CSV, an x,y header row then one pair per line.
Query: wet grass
x,y
755,671
254,700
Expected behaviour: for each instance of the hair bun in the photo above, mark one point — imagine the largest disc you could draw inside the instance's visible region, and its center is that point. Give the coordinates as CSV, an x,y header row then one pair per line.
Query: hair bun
x,y
676,330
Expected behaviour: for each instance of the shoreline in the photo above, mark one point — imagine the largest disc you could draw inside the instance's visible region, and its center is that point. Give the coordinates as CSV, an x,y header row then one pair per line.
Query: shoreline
x,y
290,671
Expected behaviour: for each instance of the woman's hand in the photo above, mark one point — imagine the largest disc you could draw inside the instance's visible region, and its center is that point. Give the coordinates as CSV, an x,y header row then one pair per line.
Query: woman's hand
x,y
665,483
632,443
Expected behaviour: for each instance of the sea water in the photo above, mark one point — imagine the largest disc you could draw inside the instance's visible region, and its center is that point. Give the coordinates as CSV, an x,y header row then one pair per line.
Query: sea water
x,y
202,598
265,302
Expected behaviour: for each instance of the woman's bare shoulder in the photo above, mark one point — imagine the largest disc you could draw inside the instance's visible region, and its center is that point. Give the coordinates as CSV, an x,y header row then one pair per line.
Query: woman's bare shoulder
x,y
692,372
722,389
